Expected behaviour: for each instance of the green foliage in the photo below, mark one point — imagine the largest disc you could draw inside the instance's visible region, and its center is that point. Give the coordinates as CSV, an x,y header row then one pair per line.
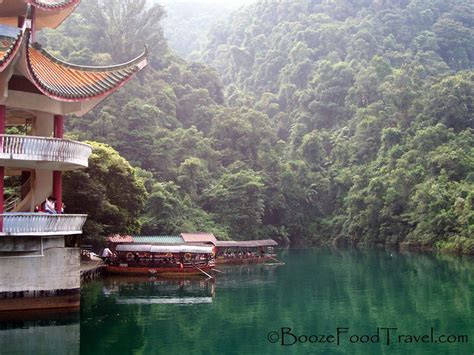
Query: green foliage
x,y
377,120
338,121
109,191
237,201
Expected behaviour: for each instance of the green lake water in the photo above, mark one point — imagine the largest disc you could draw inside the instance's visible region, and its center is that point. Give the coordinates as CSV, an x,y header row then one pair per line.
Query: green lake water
x,y
245,309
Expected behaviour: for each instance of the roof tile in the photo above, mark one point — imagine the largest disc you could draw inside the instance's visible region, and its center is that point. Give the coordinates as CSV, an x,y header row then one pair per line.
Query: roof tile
x,y
67,82
10,40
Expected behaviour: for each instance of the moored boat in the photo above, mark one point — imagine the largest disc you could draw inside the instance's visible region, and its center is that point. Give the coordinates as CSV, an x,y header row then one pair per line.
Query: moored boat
x,y
162,260
245,251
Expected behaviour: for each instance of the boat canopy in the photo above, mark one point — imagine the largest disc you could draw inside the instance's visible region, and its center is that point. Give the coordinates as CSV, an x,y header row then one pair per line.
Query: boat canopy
x,y
147,248
207,238
245,243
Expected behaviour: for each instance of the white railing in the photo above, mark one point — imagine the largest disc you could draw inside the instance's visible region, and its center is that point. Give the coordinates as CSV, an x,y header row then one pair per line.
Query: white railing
x,y
44,149
41,224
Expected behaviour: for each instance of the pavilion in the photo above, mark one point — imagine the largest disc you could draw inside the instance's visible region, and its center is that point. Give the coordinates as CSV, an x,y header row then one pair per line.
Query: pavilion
x,y
37,91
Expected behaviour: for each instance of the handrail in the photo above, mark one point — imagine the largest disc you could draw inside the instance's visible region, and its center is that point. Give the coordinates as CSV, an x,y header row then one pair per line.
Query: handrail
x,y
41,224
47,139
44,149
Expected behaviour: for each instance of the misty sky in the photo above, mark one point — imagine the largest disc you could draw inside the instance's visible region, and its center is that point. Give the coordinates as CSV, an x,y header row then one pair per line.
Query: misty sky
x,y
235,3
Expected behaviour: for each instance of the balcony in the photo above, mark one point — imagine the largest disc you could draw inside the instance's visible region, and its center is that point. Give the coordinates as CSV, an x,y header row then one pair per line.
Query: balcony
x,y
41,224
31,152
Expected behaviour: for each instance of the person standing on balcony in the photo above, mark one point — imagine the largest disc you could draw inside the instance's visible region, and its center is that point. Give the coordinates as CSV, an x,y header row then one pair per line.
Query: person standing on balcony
x,y
50,205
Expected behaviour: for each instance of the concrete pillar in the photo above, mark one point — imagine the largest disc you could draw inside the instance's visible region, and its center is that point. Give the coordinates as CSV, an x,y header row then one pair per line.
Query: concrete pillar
x,y
57,175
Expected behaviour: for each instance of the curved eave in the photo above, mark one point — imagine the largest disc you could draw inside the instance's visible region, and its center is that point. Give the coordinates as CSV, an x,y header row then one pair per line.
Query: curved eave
x,y
54,5
11,52
72,83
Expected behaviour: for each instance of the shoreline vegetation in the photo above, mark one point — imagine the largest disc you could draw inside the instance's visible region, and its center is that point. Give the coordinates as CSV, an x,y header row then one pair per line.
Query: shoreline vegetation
x,y
310,122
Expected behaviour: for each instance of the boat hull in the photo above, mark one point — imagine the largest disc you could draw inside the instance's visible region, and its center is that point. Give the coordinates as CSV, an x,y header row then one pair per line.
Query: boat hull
x,y
162,271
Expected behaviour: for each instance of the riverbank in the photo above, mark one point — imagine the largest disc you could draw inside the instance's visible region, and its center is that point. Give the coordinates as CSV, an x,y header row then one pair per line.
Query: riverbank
x,y
454,246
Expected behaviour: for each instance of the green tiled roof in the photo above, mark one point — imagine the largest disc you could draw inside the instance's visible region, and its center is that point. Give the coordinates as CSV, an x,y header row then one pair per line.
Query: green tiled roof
x,y
158,239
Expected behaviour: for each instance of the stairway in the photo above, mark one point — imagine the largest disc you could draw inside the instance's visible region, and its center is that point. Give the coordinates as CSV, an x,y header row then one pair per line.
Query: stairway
x,y
31,190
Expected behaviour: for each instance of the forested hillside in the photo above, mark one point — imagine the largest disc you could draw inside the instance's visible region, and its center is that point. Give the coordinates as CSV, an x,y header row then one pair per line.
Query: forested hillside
x,y
188,22
374,101
327,121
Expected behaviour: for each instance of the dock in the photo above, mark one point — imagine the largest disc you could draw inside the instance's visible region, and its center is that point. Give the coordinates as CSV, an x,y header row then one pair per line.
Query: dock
x,y
91,270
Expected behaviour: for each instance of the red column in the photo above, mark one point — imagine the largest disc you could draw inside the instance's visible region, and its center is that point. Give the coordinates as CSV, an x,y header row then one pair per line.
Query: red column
x,y
21,21
58,126
33,24
57,175
2,169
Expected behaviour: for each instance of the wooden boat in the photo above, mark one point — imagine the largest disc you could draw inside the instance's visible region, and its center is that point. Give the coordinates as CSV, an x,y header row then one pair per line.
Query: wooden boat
x,y
245,251
162,260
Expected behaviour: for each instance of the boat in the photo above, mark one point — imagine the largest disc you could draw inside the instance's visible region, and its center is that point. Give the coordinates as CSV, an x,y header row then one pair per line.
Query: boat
x,y
245,251
162,260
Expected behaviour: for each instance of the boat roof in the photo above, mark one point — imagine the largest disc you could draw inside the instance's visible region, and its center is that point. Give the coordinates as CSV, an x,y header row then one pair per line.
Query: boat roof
x,y
148,248
245,243
116,238
199,238
158,239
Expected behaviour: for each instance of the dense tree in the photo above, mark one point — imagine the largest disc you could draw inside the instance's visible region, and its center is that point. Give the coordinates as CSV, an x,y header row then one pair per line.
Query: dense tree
x,y
109,191
328,121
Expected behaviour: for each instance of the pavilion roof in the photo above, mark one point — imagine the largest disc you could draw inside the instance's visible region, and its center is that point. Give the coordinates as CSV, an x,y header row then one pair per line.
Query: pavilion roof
x,y
68,82
10,42
58,79
47,13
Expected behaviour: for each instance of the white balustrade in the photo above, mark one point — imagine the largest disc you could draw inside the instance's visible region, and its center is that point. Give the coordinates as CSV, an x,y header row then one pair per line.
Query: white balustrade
x,y
41,224
44,149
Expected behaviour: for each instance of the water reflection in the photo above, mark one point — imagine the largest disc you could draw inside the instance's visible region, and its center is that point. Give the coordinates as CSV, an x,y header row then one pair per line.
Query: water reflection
x,y
314,293
40,333
246,276
145,290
